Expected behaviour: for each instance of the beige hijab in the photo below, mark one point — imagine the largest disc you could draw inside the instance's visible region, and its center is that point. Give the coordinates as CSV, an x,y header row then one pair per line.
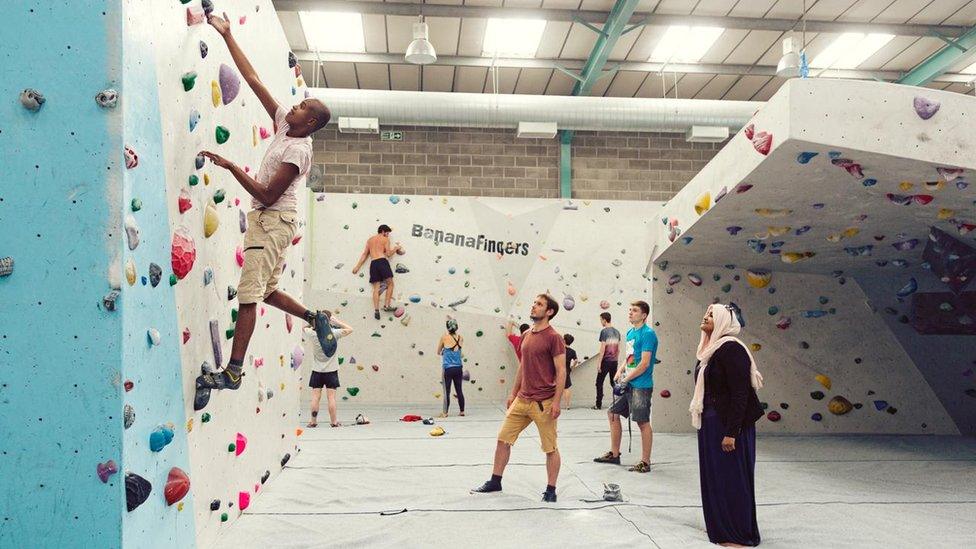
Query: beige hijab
x,y
726,326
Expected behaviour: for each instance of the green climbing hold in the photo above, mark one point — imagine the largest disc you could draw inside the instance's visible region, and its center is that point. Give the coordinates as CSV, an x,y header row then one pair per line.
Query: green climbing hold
x,y
172,279
219,196
346,227
222,134
376,334
205,418
341,360
345,397
136,204
823,300
233,315
184,1
466,283
353,391
229,332
223,517
194,180
773,310
479,333
189,79
231,447
727,288
501,367
467,271
498,309
354,205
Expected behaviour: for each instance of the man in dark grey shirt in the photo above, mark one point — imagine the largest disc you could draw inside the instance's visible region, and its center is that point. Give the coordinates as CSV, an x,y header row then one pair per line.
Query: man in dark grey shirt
x,y
609,357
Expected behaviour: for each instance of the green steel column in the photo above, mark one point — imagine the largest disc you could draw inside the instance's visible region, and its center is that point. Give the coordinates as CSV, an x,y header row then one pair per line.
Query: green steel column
x,y
940,62
566,164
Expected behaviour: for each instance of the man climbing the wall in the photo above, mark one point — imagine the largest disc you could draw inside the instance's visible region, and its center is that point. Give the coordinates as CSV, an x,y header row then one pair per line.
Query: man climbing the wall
x,y
379,251
535,396
272,222
515,338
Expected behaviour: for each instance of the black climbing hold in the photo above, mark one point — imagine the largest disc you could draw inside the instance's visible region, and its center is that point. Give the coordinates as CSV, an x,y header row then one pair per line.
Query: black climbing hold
x,y
265,476
137,490
784,405
765,405
891,410
203,49
215,505
292,60
858,405
817,395
207,6
285,459
155,274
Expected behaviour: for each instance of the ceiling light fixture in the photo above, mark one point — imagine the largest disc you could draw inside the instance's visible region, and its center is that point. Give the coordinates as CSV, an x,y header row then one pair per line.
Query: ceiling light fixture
x,y
420,51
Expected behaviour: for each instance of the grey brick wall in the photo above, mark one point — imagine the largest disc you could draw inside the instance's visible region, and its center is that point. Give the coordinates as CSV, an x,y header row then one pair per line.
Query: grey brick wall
x,y
493,162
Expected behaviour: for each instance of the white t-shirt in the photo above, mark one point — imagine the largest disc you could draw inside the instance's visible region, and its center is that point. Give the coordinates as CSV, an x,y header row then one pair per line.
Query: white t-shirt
x,y
284,149
322,363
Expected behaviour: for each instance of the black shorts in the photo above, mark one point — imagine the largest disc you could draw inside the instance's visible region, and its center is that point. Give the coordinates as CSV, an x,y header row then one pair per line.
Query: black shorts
x,y
569,380
379,270
330,380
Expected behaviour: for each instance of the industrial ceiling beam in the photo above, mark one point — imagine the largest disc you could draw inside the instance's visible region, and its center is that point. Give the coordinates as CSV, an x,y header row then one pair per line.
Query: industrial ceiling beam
x,y
938,63
637,66
601,17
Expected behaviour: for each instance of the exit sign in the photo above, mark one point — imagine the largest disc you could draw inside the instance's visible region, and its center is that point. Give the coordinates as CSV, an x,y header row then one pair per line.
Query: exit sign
x,y
390,135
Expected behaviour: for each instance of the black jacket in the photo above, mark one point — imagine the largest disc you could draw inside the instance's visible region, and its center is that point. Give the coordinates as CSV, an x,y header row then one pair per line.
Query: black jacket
x,y
728,388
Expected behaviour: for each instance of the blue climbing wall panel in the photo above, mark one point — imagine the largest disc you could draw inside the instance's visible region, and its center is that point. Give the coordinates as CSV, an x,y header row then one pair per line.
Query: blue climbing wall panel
x,y
156,394
60,350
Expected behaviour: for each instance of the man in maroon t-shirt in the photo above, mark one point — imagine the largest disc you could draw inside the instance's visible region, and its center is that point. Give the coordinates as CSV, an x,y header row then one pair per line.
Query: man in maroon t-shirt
x,y
535,395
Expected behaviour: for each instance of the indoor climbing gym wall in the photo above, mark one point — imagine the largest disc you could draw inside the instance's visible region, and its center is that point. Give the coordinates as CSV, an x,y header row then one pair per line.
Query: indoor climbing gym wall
x,y
125,250
879,227
195,212
481,261
60,346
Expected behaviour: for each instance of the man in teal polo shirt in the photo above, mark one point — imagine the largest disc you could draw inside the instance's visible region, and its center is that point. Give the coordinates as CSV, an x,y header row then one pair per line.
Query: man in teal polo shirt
x,y
637,374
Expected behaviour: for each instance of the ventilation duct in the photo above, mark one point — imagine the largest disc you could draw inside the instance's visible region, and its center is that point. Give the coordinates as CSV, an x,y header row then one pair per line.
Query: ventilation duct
x,y
483,110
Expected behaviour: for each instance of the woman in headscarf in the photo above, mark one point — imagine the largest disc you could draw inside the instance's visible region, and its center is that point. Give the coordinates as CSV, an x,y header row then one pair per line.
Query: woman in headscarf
x,y
449,348
724,410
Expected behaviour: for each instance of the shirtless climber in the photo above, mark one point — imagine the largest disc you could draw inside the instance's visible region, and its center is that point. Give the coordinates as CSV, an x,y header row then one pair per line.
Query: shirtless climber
x,y
378,250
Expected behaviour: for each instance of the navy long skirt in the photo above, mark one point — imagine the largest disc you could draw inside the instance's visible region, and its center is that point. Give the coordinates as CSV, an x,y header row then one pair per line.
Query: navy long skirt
x,y
728,483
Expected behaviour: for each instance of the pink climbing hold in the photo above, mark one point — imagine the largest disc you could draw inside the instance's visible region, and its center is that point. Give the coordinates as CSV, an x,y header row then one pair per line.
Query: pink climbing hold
x,y
749,131
242,20
243,500
763,142
186,335
106,470
241,444
297,357
258,362
288,323
184,253
230,83
194,15
131,158
399,312
604,305
184,202
264,133
239,256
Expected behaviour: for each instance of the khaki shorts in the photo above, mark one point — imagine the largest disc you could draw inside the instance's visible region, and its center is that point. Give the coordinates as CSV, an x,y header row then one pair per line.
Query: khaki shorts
x,y
268,236
524,412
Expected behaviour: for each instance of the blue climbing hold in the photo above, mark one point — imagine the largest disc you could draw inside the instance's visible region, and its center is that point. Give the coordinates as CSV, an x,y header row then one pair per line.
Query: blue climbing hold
x,y
805,157
816,417
908,289
160,437
869,182
415,299
394,199
880,405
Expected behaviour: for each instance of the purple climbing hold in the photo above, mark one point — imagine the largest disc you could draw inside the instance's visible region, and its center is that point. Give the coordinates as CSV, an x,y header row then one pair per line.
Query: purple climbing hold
x,y
817,416
155,274
230,83
925,108
243,220
905,245
803,230
203,49
137,491
106,470
733,230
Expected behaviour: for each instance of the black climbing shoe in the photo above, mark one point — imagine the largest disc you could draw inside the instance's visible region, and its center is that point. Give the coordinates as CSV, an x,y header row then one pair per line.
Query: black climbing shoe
x,y
323,330
487,487
597,407
220,380
549,497
608,458
376,314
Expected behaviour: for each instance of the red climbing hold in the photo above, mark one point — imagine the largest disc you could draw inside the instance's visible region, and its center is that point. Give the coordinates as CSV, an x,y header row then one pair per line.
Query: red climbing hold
x,y
184,202
177,485
763,142
774,416
665,394
106,470
295,240
750,131
288,323
186,335
241,444
243,500
128,385
184,253
376,368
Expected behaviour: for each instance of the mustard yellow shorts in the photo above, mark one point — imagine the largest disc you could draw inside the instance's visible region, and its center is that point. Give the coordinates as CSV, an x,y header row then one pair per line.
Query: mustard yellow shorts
x,y
268,235
524,412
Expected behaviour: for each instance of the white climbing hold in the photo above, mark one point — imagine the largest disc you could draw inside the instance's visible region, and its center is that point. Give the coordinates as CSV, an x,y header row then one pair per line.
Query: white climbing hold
x,y
131,232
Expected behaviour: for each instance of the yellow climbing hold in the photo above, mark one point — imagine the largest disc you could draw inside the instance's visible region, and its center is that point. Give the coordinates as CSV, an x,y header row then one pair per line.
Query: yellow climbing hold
x,y
934,185
946,213
839,406
359,367
823,380
795,257
703,204
189,425
906,186
206,179
210,220
770,212
130,272
282,386
755,347
777,231
254,136
215,92
437,395
437,431
758,279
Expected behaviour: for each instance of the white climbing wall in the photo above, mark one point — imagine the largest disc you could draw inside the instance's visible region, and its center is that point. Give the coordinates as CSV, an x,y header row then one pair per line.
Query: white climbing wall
x,y
264,408
583,251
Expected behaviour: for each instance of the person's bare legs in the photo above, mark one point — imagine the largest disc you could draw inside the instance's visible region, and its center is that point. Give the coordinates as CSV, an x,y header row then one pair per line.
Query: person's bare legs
x,y
316,397
502,453
647,437
331,397
285,302
246,317
567,398
376,295
553,461
616,433
389,292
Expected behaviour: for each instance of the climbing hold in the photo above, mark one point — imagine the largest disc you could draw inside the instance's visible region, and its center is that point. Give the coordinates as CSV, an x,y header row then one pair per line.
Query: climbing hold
x,y
241,444
32,99
908,289
925,108
805,157
437,431
183,202
130,271
762,142
160,437
231,293
665,393
784,323
733,230
195,15
135,205
189,80
816,417
219,196
177,485
839,406
759,278
109,300
223,517
755,347
199,161
230,83
105,470
153,335
194,119
182,255
203,49
774,416
399,312
131,158
137,491
795,257
243,500
414,299
694,279
211,222
880,405
569,303
703,204
107,98
128,416
222,134
817,395
297,357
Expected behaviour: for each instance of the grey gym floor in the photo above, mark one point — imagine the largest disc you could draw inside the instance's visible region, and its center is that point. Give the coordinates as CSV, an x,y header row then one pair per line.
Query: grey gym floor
x,y
812,491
